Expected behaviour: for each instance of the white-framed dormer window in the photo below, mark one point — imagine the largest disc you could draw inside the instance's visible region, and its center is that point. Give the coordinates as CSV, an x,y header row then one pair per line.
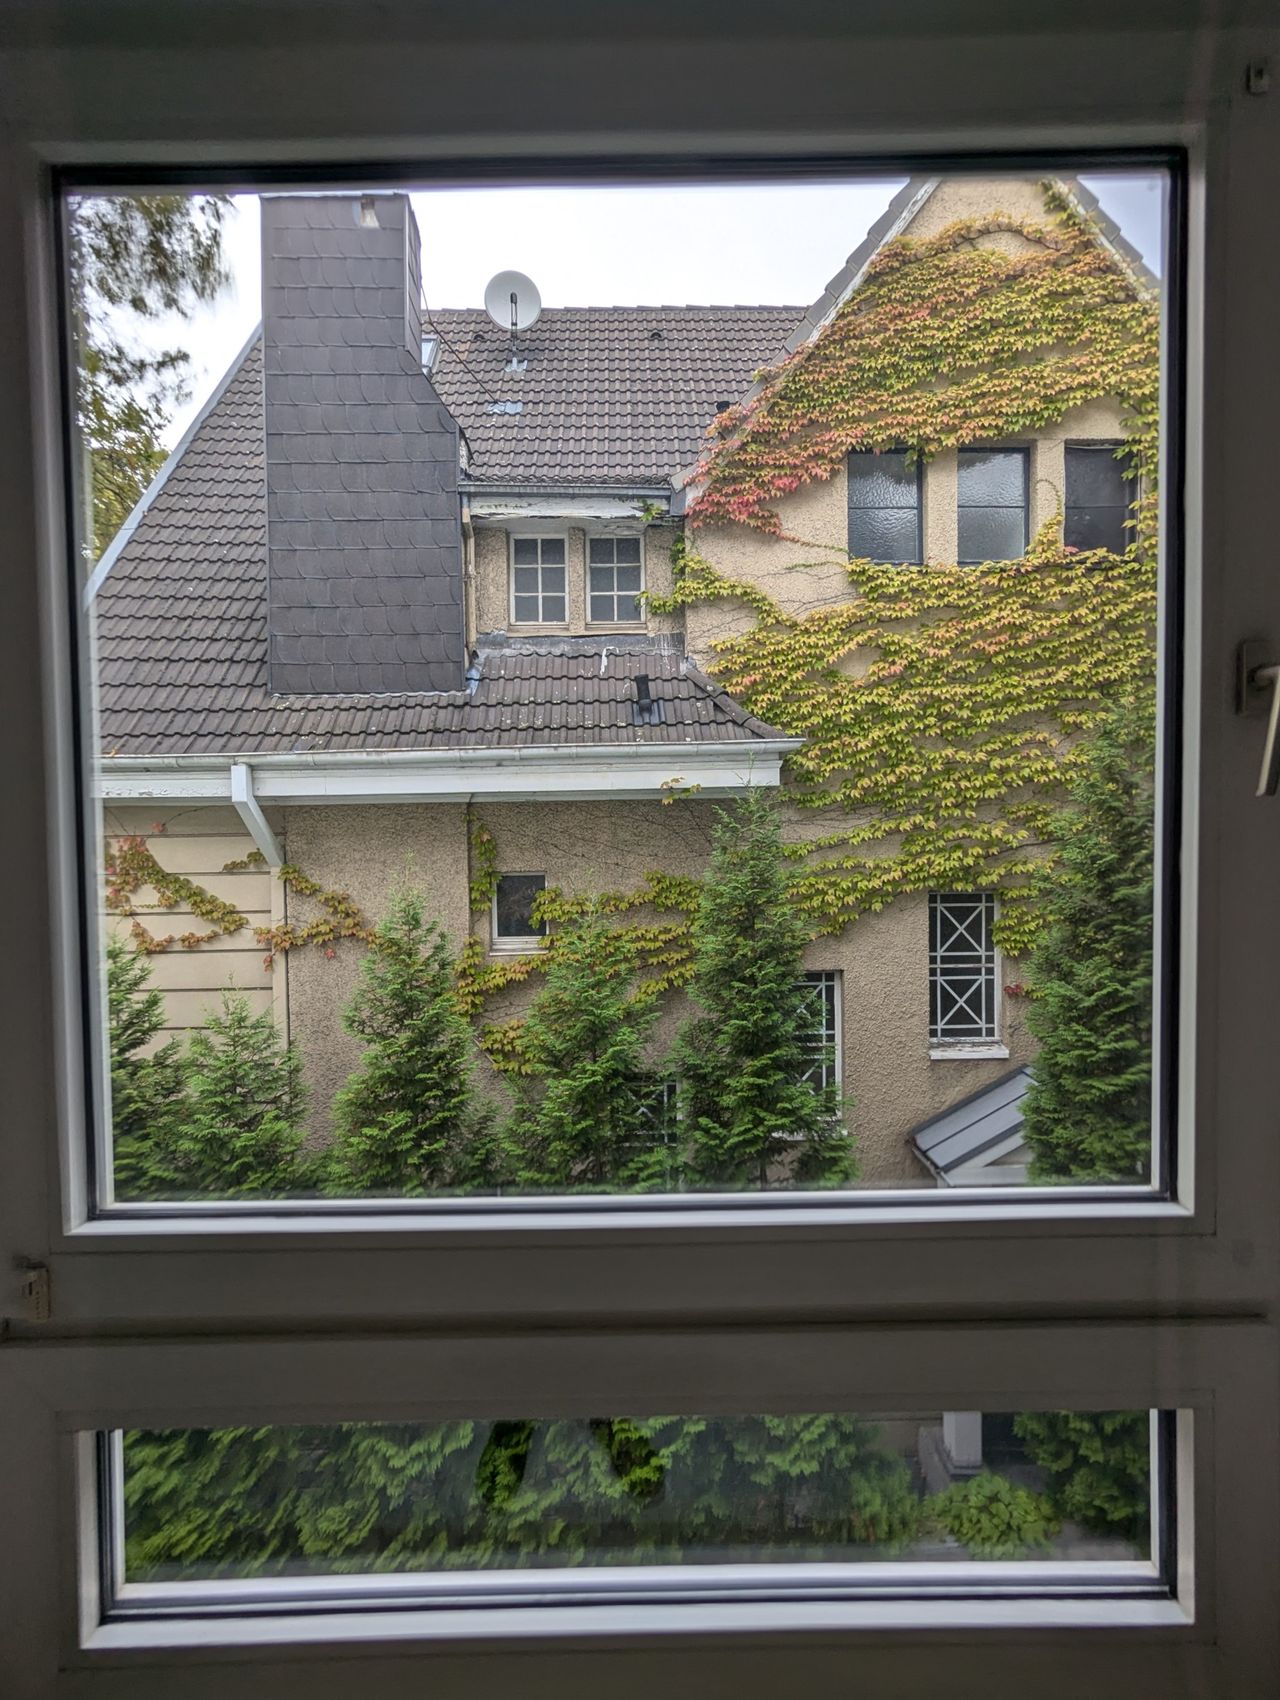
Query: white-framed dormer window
x,y
964,972
538,581
615,580
512,922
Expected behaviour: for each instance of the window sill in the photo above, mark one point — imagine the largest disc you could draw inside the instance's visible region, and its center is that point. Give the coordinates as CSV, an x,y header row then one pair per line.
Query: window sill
x,y
516,947
967,1053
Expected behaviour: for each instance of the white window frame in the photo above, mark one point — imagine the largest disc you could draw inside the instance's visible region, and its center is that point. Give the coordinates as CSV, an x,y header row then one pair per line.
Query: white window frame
x,y
986,1045
1190,1268
538,537
613,537
513,944
819,978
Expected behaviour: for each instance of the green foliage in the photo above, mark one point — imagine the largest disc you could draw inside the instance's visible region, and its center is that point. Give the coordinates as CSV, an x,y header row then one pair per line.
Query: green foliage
x,y
1099,1466
131,259
1087,1115
748,1114
148,1095
995,1518
403,1123
579,1121
242,1132
477,1495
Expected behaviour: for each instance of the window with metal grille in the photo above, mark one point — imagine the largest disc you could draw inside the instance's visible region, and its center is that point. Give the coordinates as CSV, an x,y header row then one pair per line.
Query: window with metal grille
x,y
962,967
1097,498
884,506
991,505
615,578
538,581
824,1035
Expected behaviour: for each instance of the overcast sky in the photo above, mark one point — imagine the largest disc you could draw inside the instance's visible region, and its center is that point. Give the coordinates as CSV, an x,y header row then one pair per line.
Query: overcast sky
x,y
616,246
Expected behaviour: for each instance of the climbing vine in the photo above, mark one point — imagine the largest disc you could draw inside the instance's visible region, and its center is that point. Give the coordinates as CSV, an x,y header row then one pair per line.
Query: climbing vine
x,y
943,708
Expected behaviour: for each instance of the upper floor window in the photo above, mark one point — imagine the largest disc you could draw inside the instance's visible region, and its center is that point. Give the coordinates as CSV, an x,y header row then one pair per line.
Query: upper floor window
x,y
991,505
963,968
538,581
513,920
884,506
1097,498
615,579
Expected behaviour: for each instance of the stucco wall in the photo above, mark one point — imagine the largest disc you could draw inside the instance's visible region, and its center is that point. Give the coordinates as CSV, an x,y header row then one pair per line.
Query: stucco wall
x,y
493,589
198,842
366,851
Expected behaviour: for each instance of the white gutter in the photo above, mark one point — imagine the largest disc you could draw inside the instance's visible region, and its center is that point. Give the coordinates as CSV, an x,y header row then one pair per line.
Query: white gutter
x,y
545,773
250,812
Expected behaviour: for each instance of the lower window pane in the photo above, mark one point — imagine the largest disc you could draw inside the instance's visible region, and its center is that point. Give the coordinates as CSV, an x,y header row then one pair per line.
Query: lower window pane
x,y
991,534
947,1487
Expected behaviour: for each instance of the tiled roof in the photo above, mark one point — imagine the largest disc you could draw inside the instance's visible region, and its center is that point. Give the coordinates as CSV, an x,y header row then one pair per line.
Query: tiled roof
x,y
610,395
180,618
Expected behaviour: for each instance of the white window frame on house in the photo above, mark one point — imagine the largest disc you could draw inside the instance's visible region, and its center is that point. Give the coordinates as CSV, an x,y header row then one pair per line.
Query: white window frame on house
x,y
981,963
828,984
614,537
1125,1299
540,538
518,944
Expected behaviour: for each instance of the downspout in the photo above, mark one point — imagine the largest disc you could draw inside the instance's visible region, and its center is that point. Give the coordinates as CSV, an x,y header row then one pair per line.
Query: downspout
x,y
249,809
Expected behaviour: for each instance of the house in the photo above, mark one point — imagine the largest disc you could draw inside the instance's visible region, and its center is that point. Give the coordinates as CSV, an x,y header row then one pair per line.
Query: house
x,y
403,602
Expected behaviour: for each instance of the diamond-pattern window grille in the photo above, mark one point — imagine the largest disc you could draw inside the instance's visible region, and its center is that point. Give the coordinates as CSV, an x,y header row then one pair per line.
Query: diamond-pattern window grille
x,y
962,967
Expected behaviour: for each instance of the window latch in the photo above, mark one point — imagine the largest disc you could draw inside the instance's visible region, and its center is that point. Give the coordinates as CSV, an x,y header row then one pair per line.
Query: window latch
x,y
33,1290
1258,692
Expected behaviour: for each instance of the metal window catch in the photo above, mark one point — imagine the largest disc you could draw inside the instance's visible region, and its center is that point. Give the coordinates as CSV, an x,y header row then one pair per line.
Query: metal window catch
x,y
1258,692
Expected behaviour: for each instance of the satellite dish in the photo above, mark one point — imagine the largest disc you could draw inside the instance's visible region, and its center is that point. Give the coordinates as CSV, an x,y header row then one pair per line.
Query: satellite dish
x,y
512,301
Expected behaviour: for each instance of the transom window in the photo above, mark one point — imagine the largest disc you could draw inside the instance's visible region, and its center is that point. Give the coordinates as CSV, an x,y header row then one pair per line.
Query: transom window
x,y
962,967
615,578
538,581
513,901
825,1034
991,505
1097,498
884,506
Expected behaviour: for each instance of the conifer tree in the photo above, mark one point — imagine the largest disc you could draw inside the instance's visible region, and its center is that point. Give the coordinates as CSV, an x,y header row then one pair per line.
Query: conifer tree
x,y
243,1128
404,1121
147,1088
581,1122
1087,1113
743,1061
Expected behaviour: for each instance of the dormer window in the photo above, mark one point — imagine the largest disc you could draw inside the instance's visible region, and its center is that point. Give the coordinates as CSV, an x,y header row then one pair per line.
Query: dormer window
x,y
615,579
538,595
430,351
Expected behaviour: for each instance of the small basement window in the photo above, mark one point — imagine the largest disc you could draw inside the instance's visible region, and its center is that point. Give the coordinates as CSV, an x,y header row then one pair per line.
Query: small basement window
x,y
513,925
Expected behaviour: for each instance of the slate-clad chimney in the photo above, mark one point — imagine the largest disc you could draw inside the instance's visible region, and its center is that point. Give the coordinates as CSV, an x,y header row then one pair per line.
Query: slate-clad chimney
x,y
364,539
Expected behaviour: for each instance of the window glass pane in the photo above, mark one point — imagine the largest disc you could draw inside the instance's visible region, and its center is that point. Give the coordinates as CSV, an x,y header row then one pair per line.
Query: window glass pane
x,y
991,534
883,481
828,742
992,478
884,534
563,1496
513,905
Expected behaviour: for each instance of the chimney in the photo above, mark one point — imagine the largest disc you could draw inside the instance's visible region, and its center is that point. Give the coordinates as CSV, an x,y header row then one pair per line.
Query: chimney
x,y
364,528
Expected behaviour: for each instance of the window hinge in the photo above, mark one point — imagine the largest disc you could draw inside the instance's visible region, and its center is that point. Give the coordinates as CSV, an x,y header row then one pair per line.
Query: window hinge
x,y
33,1289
